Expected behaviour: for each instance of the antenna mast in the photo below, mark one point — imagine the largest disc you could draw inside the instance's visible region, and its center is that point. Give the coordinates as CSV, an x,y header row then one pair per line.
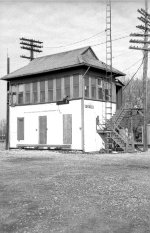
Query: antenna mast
x,y
108,84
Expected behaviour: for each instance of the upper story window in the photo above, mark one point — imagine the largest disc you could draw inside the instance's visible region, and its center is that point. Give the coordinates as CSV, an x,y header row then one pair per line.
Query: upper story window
x,y
42,91
58,89
67,86
20,93
35,93
107,91
14,94
27,93
100,89
50,90
86,86
93,87
76,86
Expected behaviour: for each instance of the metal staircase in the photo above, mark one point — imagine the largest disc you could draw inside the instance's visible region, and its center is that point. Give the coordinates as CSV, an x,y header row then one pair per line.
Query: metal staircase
x,y
114,135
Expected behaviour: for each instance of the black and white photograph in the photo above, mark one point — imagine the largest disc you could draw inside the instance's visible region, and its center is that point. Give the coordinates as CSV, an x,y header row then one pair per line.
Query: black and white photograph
x,y
75,116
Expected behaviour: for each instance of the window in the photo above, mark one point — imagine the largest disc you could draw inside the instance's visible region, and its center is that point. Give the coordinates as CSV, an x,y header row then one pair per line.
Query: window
x,y
42,91
50,90
67,86
93,88
76,86
86,83
14,94
35,97
100,89
20,93
107,91
27,93
20,128
58,89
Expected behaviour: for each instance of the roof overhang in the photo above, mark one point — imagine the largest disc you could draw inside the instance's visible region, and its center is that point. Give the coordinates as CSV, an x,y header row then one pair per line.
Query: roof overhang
x,y
10,76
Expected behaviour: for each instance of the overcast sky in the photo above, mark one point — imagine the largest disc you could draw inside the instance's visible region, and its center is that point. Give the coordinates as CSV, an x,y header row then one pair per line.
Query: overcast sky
x,y
61,23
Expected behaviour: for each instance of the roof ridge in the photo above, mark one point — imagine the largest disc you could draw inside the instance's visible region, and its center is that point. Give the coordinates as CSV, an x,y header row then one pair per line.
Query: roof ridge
x,y
86,48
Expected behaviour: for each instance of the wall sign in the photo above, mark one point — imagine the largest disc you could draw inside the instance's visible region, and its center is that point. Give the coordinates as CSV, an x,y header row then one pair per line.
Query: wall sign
x,y
89,106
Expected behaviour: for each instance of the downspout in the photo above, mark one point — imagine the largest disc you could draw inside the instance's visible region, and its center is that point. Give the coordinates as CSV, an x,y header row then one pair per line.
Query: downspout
x,y
82,110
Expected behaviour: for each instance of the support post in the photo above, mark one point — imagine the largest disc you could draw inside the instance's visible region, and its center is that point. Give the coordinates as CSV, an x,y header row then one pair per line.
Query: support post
x,y
145,68
82,111
82,115
7,107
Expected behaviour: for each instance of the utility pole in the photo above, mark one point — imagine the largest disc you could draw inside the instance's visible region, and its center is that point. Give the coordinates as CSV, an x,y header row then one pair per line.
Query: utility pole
x,y
7,107
32,46
145,18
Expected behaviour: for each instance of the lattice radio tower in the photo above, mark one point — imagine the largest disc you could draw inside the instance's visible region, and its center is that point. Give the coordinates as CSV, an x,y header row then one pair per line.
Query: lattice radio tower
x,y
108,96
108,88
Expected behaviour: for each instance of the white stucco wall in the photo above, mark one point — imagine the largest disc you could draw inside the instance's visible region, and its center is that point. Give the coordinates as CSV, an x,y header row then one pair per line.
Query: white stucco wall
x,y
54,115
93,141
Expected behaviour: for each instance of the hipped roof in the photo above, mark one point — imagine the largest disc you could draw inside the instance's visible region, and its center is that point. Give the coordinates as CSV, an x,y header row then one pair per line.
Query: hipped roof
x,y
74,58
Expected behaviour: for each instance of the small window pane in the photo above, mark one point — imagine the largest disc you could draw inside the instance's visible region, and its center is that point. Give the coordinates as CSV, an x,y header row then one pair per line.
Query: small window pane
x,y
20,93
27,87
100,82
20,98
100,89
42,86
100,93
27,97
42,91
35,87
14,94
20,87
13,88
42,96
67,86
14,98
58,83
50,84
86,82
75,86
35,96
76,79
27,93
93,87
58,89
50,95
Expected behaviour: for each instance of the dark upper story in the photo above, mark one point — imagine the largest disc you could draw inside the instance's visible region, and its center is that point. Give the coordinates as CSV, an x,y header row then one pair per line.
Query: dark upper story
x,y
51,78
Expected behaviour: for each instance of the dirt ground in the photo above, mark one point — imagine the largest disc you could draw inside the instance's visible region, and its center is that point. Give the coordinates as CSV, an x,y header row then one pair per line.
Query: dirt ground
x,y
46,191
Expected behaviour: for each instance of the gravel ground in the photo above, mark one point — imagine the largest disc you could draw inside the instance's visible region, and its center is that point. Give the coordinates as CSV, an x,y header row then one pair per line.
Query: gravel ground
x,y
52,191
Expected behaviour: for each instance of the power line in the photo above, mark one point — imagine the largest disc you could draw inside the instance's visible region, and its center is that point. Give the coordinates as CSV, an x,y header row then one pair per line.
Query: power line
x,y
62,46
116,39
114,57
133,64
134,74
119,38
